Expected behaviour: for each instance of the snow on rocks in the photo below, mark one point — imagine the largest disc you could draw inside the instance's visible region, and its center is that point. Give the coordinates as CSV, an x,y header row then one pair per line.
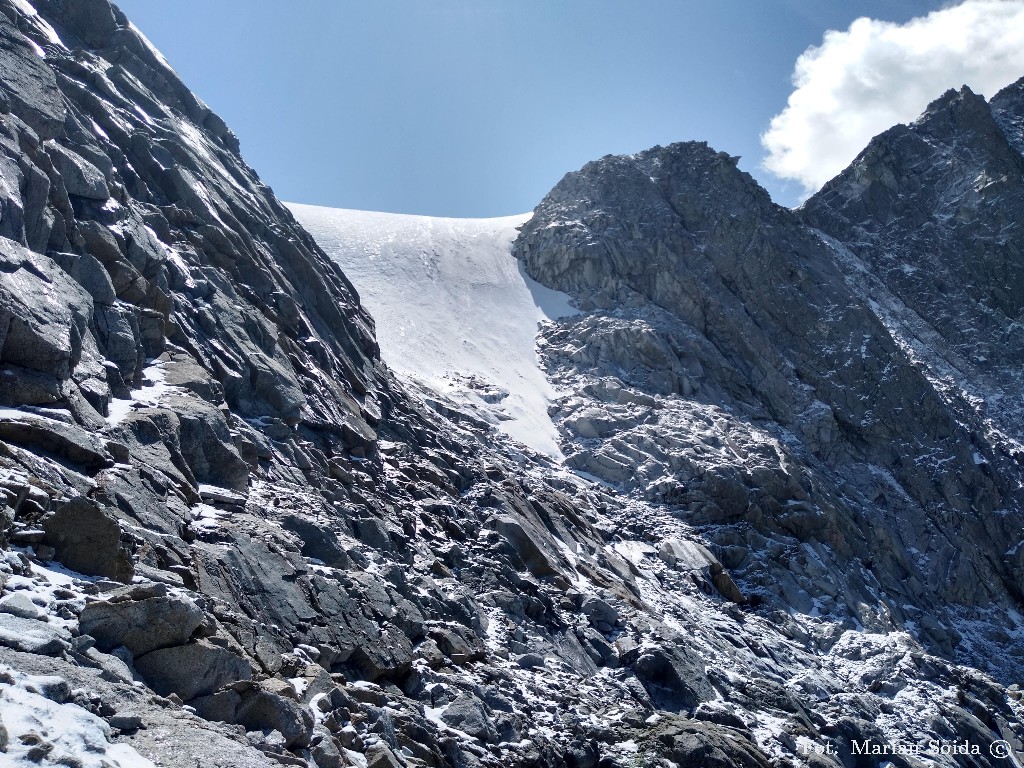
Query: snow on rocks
x,y
151,393
19,604
42,726
33,636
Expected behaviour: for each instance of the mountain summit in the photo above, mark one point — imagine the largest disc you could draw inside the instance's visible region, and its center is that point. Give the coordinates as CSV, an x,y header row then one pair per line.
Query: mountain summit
x,y
775,518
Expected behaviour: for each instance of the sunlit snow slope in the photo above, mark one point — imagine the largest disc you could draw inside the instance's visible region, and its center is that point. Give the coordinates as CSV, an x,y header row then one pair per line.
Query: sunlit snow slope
x,y
454,310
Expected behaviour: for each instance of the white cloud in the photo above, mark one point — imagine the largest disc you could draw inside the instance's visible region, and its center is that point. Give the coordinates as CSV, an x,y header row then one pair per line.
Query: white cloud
x,y
859,82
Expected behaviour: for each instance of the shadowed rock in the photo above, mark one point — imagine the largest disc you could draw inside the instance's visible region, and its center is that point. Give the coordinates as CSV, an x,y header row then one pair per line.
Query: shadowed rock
x,y
192,670
88,540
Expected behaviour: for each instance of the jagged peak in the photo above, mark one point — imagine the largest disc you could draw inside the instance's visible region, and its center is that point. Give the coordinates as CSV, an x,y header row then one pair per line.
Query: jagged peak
x,y
1014,90
956,116
953,98
1008,109
960,125
682,157
662,181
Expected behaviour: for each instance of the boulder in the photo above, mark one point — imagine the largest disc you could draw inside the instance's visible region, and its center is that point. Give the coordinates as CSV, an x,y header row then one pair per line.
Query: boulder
x,y
693,556
602,616
126,721
220,706
598,648
192,670
390,654
87,540
81,178
673,676
530,660
325,752
117,329
258,708
112,668
31,636
725,585
523,544
467,714
380,756
317,541
712,712
685,555
19,604
215,495
141,625
460,644
264,710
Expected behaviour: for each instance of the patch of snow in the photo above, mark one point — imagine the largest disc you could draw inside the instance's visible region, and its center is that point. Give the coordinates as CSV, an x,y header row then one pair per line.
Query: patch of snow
x,y
150,394
299,684
208,518
77,736
13,414
355,758
42,587
314,707
454,309
36,47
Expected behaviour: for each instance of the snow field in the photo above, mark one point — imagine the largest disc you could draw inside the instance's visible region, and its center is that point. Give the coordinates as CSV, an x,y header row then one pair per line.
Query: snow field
x,y
454,310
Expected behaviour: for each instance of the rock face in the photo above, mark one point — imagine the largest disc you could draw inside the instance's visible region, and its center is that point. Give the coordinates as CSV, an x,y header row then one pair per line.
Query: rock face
x,y
926,216
810,535
829,396
86,539
742,380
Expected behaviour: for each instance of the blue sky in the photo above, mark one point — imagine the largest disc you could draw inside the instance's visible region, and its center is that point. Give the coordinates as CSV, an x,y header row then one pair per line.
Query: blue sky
x,y
478,107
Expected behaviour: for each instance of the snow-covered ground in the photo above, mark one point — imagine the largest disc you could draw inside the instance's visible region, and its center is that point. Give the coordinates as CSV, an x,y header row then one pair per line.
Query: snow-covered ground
x,y
454,310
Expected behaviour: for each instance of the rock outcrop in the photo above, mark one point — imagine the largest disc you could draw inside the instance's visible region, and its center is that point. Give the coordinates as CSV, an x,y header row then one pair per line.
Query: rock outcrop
x,y
828,396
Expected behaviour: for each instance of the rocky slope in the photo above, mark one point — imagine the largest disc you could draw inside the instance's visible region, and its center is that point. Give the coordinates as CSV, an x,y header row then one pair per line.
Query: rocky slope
x,y
195,408
829,398
231,537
